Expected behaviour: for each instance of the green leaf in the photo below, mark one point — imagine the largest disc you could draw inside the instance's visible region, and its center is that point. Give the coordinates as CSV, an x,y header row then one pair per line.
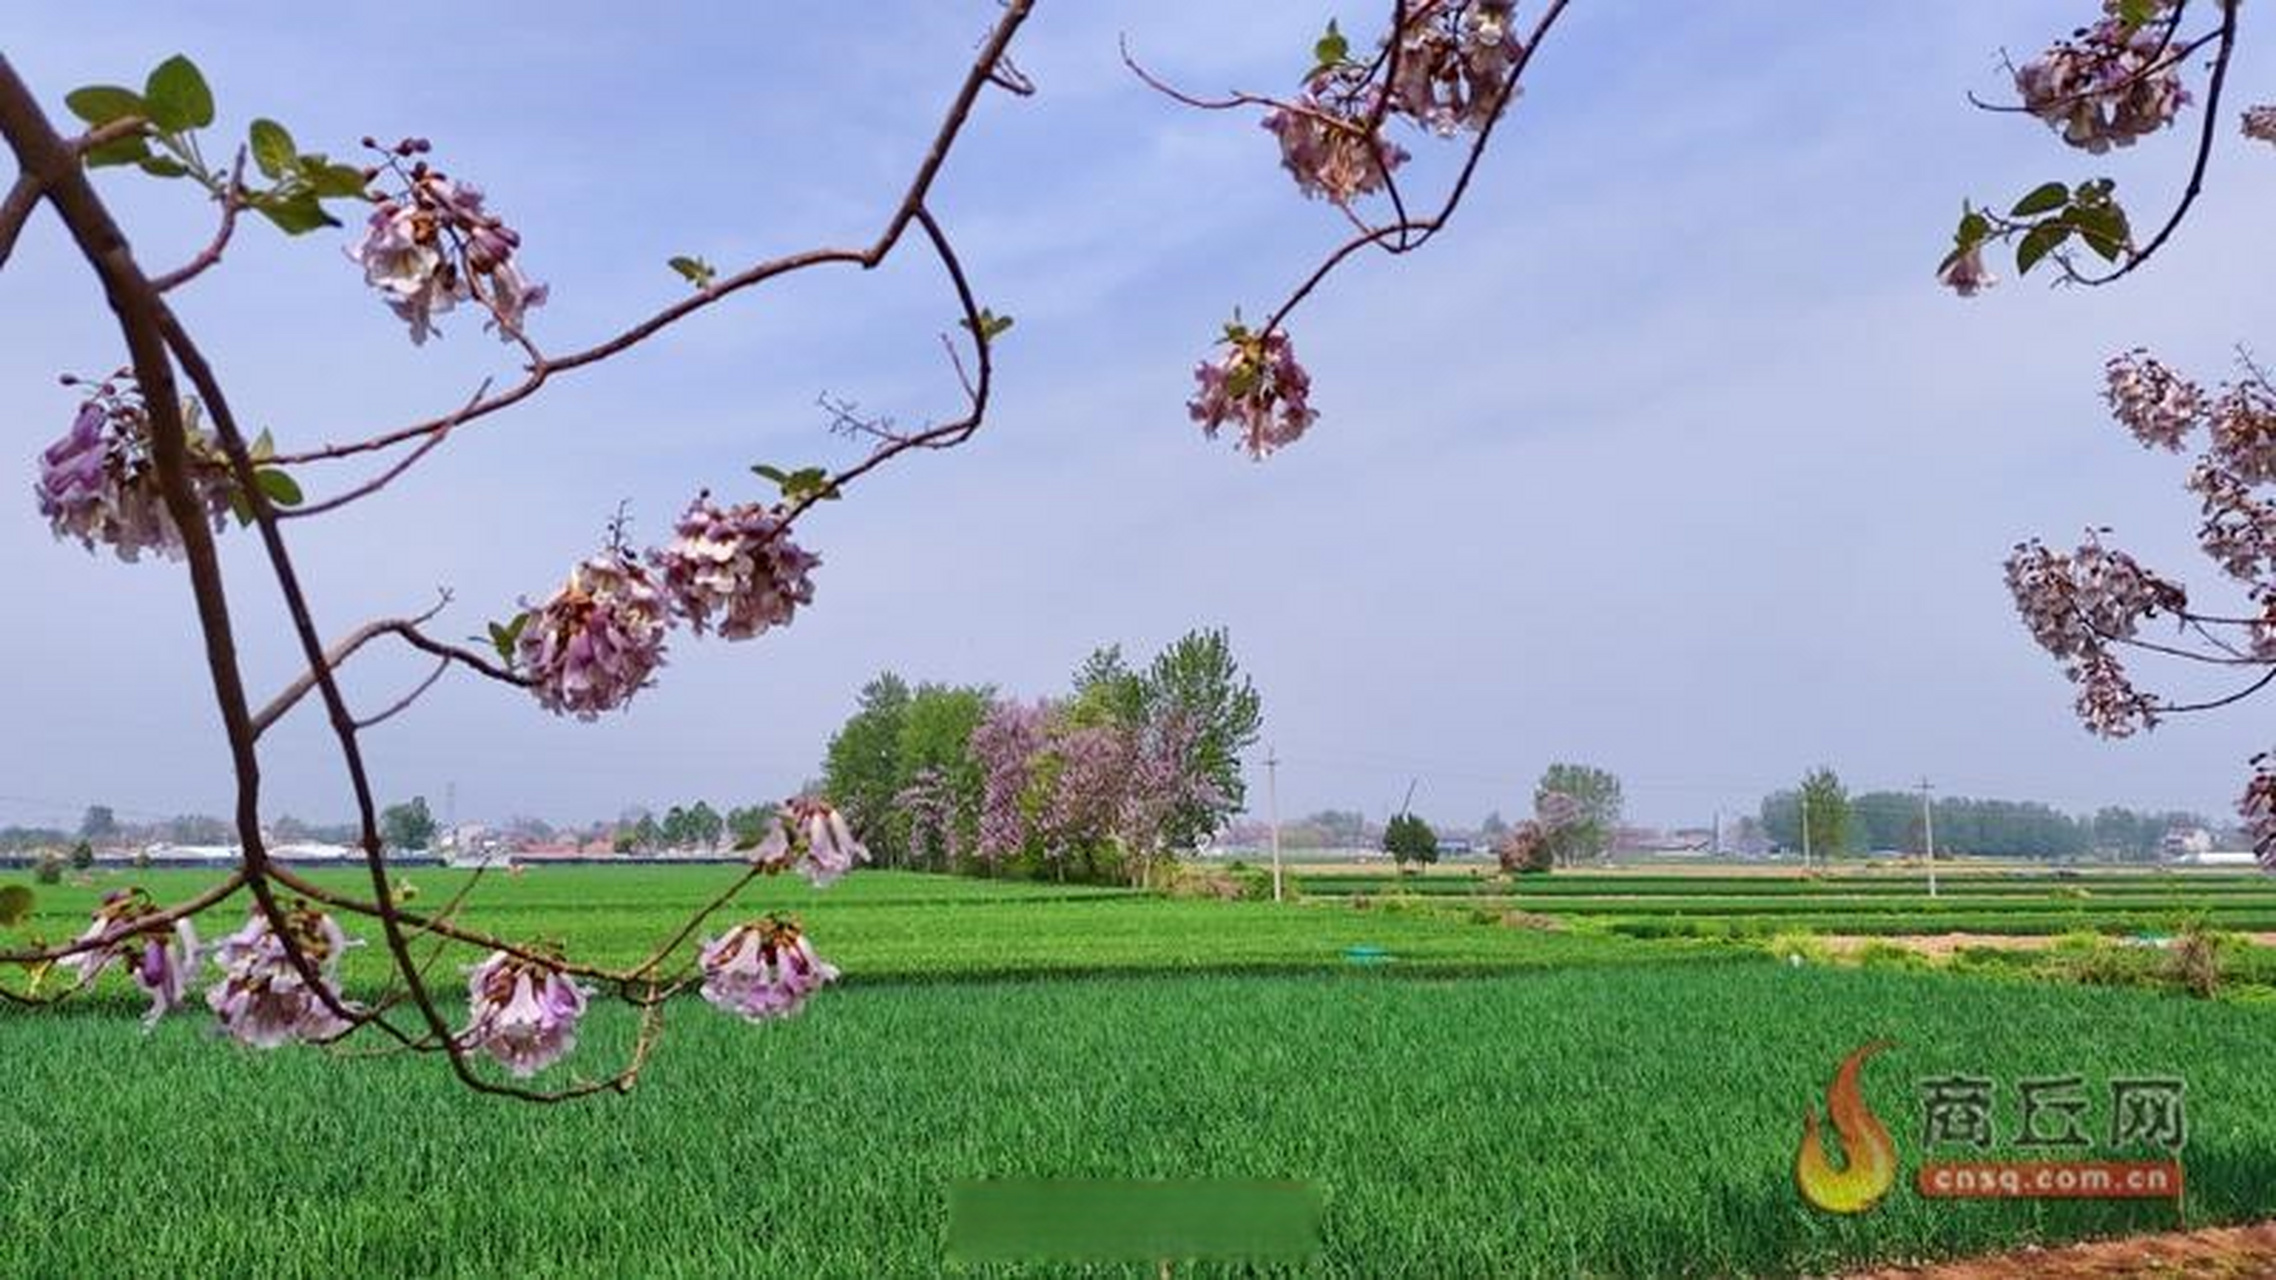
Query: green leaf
x,y
99,104
2044,198
272,148
296,214
178,96
2038,242
164,167
1973,229
132,149
504,636
281,488
2102,226
240,507
697,272
336,181
1331,49
991,324
15,905
776,474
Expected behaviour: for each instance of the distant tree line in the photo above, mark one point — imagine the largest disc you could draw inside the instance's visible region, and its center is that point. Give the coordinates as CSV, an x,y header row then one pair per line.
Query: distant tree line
x,y
1841,824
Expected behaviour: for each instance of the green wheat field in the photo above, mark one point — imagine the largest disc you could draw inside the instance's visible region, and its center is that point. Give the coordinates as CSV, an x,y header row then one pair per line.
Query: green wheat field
x,y
1600,1075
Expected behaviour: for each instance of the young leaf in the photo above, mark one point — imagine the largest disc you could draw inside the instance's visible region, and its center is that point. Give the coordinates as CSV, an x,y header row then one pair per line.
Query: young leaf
x,y
991,324
776,474
163,167
264,446
335,181
280,487
99,104
2102,226
272,148
695,270
2038,242
1332,48
240,507
131,149
178,96
1974,227
296,214
2044,198
15,905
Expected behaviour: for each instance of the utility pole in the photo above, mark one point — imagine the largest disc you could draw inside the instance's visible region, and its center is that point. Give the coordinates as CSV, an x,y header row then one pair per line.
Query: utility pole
x,y
1272,809
1928,833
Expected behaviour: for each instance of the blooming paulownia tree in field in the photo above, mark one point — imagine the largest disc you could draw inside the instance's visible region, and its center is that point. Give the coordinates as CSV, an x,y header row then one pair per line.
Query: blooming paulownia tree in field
x,y
2122,78
154,459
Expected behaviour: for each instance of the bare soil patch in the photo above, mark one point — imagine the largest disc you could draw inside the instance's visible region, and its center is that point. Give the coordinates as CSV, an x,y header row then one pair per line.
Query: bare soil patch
x,y
1939,945
2215,1253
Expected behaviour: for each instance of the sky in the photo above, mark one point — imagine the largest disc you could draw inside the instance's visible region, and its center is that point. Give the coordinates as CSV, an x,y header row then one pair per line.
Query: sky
x,y
1669,455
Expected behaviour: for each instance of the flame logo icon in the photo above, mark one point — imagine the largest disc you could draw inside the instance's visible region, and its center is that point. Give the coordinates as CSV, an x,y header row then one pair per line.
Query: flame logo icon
x,y
1869,1156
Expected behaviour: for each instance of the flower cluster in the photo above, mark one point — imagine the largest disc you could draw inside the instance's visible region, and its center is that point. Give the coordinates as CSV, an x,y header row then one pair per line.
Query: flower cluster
x,y
2243,430
762,969
521,1012
738,563
99,483
934,821
1455,62
2108,704
161,959
596,641
2239,530
810,834
2260,123
262,998
2076,606
1006,742
2074,603
432,245
1965,273
2111,84
1258,386
1329,149
2158,405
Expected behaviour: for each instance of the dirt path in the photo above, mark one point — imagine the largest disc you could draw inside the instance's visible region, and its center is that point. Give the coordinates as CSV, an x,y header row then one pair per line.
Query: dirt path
x,y
2214,1253
1939,944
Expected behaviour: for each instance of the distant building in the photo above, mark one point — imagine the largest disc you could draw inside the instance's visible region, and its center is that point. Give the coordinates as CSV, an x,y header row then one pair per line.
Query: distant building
x,y
2185,842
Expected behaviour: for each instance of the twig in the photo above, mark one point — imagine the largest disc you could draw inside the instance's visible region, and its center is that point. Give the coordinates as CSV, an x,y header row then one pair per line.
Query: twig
x,y
232,199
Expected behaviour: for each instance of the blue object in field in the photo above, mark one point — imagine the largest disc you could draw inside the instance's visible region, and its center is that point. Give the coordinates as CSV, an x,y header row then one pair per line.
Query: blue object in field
x,y
1366,955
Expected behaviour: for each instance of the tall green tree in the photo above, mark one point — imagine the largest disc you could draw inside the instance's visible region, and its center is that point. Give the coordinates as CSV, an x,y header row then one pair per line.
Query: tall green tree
x,y
1107,690
748,824
1197,680
1825,812
1595,796
861,773
704,825
935,744
1407,838
99,823
408,825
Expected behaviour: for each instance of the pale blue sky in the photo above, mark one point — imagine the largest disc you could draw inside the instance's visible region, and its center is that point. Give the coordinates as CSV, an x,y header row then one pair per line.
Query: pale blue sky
x,y
1669,455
